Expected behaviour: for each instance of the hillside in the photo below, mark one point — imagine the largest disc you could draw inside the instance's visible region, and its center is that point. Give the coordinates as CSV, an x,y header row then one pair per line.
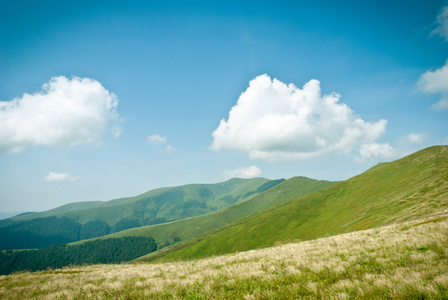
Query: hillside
x,y
85,220
171,203
185,229
408,188
401,261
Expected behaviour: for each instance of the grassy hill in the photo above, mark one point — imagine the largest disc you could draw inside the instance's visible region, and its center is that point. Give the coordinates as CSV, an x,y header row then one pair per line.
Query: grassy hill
x,y
185,229
401,261
409,188
164,204
85,220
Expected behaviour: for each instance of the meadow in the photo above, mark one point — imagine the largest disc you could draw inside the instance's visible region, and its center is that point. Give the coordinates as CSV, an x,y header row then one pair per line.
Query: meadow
x,y
401,261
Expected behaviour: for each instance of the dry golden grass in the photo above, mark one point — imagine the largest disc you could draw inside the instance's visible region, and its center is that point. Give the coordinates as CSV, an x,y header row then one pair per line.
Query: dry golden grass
x,y
403,261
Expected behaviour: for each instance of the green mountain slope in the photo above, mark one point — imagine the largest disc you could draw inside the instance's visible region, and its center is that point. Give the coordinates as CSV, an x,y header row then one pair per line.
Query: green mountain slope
x,y
92,219
164,204
71,207
185,229
408,188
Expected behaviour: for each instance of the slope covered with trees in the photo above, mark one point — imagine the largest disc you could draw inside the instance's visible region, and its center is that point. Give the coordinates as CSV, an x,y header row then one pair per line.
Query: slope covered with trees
x,y
94,252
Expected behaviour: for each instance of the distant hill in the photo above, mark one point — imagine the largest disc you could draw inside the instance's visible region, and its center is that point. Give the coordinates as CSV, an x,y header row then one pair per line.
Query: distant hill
x,y
280,193
408,188
5,215
85,220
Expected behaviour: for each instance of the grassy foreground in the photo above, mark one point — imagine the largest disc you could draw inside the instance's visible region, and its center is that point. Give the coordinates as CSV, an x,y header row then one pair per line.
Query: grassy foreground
x,y
402,261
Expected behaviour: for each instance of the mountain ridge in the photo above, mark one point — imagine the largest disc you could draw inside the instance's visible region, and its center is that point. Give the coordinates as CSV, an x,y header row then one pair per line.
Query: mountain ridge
x,y
83,220
187,228
408,188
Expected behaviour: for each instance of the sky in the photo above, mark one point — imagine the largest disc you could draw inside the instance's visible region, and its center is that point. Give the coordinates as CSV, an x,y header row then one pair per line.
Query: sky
x,y
107,99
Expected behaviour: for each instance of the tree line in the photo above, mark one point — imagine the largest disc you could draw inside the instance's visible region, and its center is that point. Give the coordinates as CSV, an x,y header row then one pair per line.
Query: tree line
x,y
114,250
43,232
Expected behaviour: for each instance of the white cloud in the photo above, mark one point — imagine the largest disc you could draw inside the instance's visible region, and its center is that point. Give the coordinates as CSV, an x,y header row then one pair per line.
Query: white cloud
x,y
170,150
156,139
242,172
274,121
442,24
436,82
374,151
67,112
413,139
58,177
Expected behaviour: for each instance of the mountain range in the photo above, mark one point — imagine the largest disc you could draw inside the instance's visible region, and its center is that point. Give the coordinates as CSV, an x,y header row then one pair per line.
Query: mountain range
x,y
82,220
409,188
202,220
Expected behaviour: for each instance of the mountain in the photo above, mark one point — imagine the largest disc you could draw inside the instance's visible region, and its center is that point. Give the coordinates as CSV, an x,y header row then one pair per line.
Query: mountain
x,y
280,193
405,189
84,220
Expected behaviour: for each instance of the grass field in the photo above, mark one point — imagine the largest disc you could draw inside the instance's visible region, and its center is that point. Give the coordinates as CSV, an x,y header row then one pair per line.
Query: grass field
x,y
401,261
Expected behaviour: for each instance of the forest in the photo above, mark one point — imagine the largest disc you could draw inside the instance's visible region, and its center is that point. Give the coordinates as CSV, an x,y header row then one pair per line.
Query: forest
x,y
44,232
102,251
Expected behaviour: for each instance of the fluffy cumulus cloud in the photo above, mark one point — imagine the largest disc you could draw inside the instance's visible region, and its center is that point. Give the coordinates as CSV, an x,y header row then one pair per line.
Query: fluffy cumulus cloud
x,y
67,112
275,121
436,82
60,177
375,150
243,172
442,24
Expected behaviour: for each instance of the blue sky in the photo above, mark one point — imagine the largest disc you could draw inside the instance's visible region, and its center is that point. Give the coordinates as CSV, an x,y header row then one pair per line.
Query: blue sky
x,y
106,99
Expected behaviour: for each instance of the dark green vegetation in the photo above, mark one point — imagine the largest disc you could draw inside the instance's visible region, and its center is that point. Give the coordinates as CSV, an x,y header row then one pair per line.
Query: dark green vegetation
x,y
411,187
58,256
41,232
84,220
401,261
283,192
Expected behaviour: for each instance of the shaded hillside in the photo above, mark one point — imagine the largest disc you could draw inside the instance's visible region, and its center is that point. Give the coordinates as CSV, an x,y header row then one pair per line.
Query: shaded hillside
x,y
188,228
93,219
58,256
411,187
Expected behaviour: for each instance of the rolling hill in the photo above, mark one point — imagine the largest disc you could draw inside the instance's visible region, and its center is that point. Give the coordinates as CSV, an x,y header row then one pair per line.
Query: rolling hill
x,y
85,220
171,203
405,189
187,228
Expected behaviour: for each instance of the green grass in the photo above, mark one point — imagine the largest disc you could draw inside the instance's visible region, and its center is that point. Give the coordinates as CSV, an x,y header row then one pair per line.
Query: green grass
x,y
188,228
409,188
402,261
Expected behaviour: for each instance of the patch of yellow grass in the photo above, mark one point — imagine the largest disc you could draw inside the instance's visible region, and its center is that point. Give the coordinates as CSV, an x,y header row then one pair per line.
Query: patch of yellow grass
x,y
398,261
